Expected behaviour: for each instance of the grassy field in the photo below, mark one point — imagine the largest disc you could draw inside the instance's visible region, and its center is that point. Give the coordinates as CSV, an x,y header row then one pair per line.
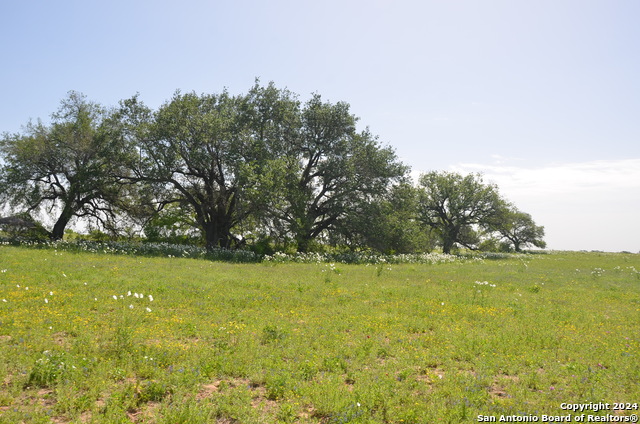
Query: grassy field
x,y
94,338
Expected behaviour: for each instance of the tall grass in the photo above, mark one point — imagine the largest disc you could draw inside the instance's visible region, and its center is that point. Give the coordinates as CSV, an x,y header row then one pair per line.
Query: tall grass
x,y
166,340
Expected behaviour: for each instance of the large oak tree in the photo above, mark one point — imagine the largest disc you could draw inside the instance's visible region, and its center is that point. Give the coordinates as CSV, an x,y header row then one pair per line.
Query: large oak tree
x,y
209,154
519,229
69,167
452,205
334,171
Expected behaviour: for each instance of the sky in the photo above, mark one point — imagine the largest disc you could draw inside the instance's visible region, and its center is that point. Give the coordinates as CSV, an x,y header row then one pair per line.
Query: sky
x,y
541,97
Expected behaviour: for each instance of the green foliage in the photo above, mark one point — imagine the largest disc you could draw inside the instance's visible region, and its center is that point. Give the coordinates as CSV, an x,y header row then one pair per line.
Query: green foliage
x,y
388,225
22,226
334,171
47,369
259,170
518,229
71,165
456,206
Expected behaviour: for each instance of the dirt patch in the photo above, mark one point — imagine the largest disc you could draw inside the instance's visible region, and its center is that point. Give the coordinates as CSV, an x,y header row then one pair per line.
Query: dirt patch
x,y
45,397
85,417
497,391
258,392
207,390
61,339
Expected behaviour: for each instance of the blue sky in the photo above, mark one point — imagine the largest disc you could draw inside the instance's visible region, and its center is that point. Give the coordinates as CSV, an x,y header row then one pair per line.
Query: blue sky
x,y
543,97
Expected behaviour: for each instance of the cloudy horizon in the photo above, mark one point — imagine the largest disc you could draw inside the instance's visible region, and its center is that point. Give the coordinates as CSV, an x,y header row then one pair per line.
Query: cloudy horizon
x,y
571,199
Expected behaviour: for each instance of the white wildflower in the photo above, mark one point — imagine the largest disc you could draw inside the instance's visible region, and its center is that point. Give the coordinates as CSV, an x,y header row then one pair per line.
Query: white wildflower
x,y
150,298
130,306
115,297
148,309
46,300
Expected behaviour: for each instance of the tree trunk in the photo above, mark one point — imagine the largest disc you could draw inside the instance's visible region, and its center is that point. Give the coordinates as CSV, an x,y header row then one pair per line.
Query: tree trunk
x,y
447,245
449,239
211,235
303,242
58,229
217,234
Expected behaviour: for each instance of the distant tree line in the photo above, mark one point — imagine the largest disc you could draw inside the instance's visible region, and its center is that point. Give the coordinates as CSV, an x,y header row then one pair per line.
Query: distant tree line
x,y
260,170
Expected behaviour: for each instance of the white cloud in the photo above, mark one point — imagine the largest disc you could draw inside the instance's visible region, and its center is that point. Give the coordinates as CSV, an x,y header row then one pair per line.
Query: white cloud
x,y
583,206
568,178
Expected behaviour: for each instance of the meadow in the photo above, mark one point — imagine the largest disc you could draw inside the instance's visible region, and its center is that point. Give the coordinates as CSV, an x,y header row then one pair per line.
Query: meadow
x,y
102,338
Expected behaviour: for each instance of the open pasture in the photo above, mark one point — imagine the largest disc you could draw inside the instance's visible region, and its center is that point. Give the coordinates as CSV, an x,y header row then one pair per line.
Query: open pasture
x,y
95,338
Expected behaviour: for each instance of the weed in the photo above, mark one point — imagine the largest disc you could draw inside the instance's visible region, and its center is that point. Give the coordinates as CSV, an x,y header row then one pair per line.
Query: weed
x,y
243,342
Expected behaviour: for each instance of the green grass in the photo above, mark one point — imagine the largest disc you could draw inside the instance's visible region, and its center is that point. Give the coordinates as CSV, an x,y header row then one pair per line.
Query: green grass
x,y
313,343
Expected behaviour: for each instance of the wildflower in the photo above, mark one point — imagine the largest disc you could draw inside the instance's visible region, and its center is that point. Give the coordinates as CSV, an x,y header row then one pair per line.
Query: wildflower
x,y
26,288
4,270
64,275
150,298
148,309
129,293
4,300
130,306
442,303
50,293
95,299
115,297
18,285
85,284
46,300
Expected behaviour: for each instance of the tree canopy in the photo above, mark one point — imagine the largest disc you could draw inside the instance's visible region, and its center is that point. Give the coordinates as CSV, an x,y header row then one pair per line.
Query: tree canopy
x,y
334,170
260,167
452,205
518,228
69,167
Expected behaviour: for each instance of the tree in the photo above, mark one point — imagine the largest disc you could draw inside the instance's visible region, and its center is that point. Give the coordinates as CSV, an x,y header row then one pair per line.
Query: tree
x,y
454,205
333,170
389,224
209,154
519,228
69,167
